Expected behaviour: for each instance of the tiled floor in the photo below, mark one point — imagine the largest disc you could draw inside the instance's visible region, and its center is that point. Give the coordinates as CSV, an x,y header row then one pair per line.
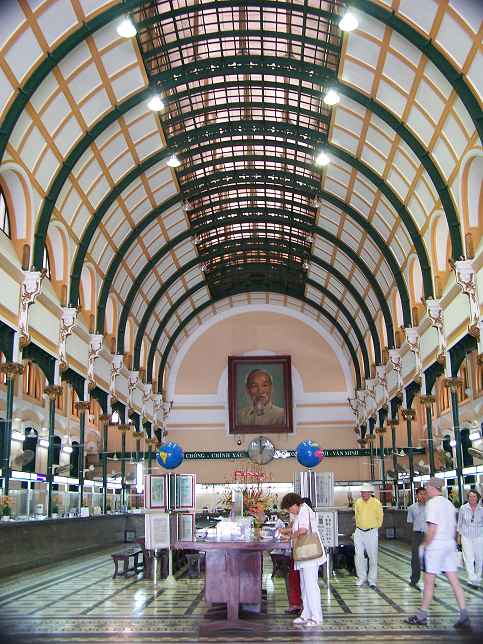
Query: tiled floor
x,y
80,602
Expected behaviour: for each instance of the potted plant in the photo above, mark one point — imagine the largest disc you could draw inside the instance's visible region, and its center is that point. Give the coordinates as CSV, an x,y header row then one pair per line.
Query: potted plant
x,y
5,508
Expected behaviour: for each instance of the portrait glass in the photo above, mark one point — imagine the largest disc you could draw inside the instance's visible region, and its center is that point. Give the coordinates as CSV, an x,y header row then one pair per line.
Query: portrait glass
x,y
260,394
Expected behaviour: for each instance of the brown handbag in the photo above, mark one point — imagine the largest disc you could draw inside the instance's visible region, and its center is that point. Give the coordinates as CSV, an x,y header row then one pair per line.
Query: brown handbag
x,y
308,546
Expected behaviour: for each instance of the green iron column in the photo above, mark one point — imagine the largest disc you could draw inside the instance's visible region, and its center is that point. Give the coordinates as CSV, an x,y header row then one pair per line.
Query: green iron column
x,y
453,384
427,402
11,371
82,407
409,415
393,424
53,392
105,420
123,428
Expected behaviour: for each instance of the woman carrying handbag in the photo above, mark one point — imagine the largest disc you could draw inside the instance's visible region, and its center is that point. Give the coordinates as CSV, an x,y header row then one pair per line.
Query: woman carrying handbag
x,y
308,554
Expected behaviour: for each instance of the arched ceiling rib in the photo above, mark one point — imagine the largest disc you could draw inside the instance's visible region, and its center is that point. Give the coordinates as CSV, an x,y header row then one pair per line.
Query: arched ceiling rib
x,y
177,330
95,155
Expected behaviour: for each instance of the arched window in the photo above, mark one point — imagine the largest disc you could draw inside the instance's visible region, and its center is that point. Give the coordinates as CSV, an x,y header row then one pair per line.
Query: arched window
x,y
74,460
46,262
4,219
57,441
30,445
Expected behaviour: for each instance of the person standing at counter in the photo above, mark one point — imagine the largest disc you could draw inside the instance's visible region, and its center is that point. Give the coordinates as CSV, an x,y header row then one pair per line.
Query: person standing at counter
x,y
470,530
368,515
417,517
305,520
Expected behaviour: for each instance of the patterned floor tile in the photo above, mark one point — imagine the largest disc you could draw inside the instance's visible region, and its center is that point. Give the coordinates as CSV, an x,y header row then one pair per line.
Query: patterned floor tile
x,y
80,602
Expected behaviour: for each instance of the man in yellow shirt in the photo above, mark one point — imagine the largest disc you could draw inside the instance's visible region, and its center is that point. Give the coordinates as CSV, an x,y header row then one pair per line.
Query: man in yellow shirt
x,y
369,516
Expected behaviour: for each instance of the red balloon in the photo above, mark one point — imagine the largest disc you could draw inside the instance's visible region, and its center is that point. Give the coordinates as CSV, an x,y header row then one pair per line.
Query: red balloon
x,y
319,454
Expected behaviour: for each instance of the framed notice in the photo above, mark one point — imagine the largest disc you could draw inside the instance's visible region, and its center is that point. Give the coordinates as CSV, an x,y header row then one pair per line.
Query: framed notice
x,y
155,491
156,530
328,528
186,527
185,486
260,394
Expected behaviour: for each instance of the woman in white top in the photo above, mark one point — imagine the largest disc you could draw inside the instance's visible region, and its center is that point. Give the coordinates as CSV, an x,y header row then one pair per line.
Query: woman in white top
x,y
470,529
306,521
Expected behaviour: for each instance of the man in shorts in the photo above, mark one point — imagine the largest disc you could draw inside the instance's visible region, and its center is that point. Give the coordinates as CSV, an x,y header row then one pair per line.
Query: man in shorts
x,y
438,553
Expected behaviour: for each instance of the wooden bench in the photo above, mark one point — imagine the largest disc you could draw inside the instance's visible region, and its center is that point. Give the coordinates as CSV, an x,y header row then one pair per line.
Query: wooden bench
x,y
124,556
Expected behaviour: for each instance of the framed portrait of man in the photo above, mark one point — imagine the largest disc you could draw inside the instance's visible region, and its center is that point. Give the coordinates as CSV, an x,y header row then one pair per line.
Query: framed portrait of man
x,y
260,394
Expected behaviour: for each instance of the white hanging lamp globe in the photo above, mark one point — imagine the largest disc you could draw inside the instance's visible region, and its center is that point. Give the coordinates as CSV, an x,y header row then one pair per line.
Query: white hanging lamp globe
x,y
322,159
126,28
348,22
155,104
173,161
331,97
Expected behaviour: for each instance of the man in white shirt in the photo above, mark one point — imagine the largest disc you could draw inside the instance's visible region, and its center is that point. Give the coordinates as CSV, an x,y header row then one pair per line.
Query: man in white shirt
x,y
417,518
438,552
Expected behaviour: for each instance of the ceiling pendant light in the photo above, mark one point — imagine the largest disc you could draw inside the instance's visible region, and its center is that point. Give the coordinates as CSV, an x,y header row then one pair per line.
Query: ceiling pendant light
x,y
155,103
322,159
348,22
126,28
331,97
173,161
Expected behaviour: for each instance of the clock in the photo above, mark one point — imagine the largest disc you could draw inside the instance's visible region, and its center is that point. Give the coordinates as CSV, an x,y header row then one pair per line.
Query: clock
x,y
261,450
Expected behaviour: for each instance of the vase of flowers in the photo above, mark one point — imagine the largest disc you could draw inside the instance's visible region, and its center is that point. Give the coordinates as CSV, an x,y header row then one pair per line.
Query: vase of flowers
x,y
6,508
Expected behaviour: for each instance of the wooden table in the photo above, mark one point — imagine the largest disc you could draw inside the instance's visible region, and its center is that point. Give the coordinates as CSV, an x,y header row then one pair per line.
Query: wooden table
x,y
234,578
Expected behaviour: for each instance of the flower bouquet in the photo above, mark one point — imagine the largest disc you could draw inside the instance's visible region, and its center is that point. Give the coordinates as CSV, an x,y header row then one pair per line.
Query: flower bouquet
x,y
6,508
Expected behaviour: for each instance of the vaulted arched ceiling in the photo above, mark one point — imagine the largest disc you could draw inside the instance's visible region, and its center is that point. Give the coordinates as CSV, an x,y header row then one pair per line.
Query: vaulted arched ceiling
x,y
248,211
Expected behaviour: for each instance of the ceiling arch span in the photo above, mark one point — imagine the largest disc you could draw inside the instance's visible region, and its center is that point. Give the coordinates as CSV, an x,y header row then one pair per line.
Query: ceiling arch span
x,y
333,272
160,156
215,253
354,94
200,285
312,258
116,261
103,17
257,307
212,301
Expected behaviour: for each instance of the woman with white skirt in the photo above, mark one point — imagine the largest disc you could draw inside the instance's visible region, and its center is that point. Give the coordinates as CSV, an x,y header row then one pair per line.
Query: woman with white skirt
x,y
470,529
306,521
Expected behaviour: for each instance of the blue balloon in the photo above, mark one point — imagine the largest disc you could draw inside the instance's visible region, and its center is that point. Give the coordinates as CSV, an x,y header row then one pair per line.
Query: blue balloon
x,y
309,453
170,455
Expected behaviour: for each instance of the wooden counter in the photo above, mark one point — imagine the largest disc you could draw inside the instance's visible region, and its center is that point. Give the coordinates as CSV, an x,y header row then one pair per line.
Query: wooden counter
x,y
25,545
233,577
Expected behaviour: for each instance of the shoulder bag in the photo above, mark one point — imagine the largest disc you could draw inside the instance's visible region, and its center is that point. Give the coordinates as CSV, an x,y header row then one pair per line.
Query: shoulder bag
x,y
308,546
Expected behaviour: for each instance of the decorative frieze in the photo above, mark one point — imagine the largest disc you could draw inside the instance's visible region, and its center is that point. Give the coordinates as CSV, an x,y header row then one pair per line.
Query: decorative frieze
x,y
67,323
30,289
465,275
95,347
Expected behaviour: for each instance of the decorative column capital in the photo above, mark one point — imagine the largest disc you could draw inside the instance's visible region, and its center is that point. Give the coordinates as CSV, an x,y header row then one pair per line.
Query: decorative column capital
x,y
82,405
381,430
452,383
123,427
427,401
105,418
137,434
11,369
53,391
408,414
393,422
